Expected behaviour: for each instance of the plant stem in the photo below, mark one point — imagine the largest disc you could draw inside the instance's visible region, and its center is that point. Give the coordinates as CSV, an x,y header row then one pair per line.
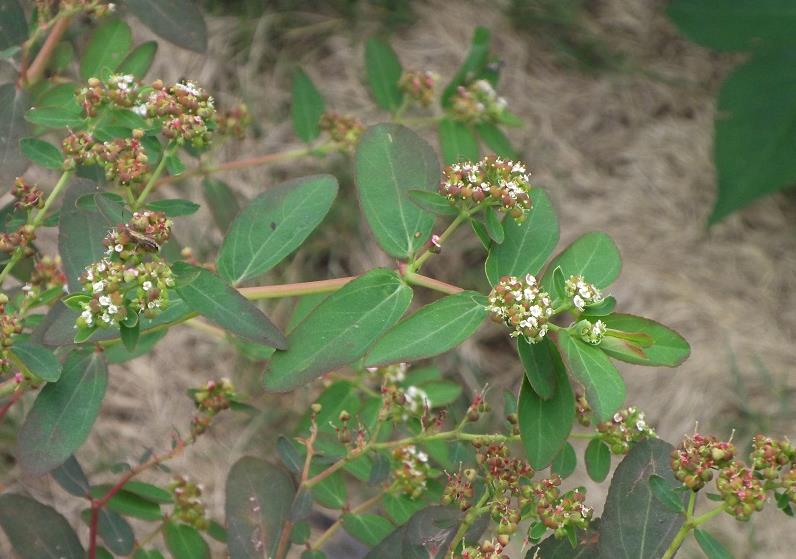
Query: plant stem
x,y
294,289
431,283
169,151
36,70
331,530
690,523
35,221
415,266
471,516
15,397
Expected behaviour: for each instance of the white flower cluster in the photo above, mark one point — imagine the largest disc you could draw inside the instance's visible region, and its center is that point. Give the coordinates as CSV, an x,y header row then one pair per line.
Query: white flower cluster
x,y
592,333
122,82
478,102
582,294
522,306
416,400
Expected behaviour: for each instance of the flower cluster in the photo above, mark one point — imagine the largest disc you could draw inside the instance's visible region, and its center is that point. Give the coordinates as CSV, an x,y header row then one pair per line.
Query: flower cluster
x,y
769,455
418,86
47,274
582,409
742,492
500,469
628,426
558,512
492,181
27,196
342,129
459,489
591,332
186,111
693,463
478,103
9,242
144,234
581,293
413,470
124,159
233,122
46,10
398,401
487,549
522,306
188,506
10,327
214,397
121,90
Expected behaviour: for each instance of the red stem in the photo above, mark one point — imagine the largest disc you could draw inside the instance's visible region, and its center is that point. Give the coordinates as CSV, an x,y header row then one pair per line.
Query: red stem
x,y
11,401
36,70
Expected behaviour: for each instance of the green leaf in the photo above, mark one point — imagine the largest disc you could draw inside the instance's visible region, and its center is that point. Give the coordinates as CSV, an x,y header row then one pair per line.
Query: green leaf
x,y
217,532
634,523
178,21
13,27
665,493
36,530
221,202
151,554
38,360
115,531
307,107
148,492
258,499
433,202
339,396
712,547
330,492
736,26
129,336
390,161
593,256
538,361
598,460
128,504
106,49
494,227
140,59
587,546
383,70
340,329
71,478
526,245
185,542
117,353
13,127
59,95
668,349
401,507
457,141
434,329
442,393
477,59
42,153
565,462
63,414
174,165
209,296
605,389
546,424
370,529
54,117
754,138
175,207
273,225
496,140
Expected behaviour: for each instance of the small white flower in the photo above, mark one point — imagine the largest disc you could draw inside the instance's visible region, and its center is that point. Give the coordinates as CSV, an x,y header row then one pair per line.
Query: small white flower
x,y
147,285
113,309
104,300
579,303
118,248
98,286
106,318
141,110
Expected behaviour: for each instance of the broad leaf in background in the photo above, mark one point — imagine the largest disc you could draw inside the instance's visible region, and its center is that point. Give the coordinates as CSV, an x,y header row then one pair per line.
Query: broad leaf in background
x,y
140,59
221,202
208,295
115,532
178,21
456,141
340,329
42,153
258,499
668,349
273,225
13,127
306,108
106,49
598,460
391,160
37,359
755,139
593,256
538,361
13,27
605,389
71,478
634,523
36,530
473,65
383,70
736,26
434,329
63,414
527,245
546,424
185,542
370,529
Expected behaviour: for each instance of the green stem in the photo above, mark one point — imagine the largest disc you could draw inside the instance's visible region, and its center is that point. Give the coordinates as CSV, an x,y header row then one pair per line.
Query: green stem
x,y
461,218
323,538
690,523
431,283
153,179
471,516
36,221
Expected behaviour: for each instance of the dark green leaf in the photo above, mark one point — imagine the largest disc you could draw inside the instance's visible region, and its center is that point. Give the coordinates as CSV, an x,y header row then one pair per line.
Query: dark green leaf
x,y
307,107
330,492
565,462
527,245
598,460
217,532
477,58
496,140
115,531
208,295
117,353
178,21
129,504
545,424
668,348
148,492
593,256
54,117
63,414
587,547
174,207
664,492
634,523
273,225
42,153
258,498
59,95
339,396
605,389
340,329
401,507
174,165
442,393
129,336
289,455
383,70
370,529
457,141
71,478
38,360
13,127
140,59
494,227
185,542
712,547
433,202
434,329
36,530
537,360
106,49
480,231
390,161
13,27
221,201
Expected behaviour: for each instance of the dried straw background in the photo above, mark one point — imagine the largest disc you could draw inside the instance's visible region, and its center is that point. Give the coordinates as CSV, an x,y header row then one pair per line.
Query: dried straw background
x,y
627,153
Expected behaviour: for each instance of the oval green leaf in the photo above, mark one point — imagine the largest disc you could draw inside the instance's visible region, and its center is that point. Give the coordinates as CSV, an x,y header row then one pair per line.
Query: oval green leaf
x,y
496,140
456,141
174,207
106,49
477,58
71,478
339,330
38,360
273,225
307,107
178,21
668,349
433,202
370,529
140,59
593,256
665,493
221,202
42,153
13,27
712,547
383,70
565,462
36,530
598,460
185,542
391,160
537,360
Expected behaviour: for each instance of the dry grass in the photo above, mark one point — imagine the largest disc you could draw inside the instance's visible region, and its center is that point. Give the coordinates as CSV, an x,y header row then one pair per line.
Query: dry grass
x,y
627,153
